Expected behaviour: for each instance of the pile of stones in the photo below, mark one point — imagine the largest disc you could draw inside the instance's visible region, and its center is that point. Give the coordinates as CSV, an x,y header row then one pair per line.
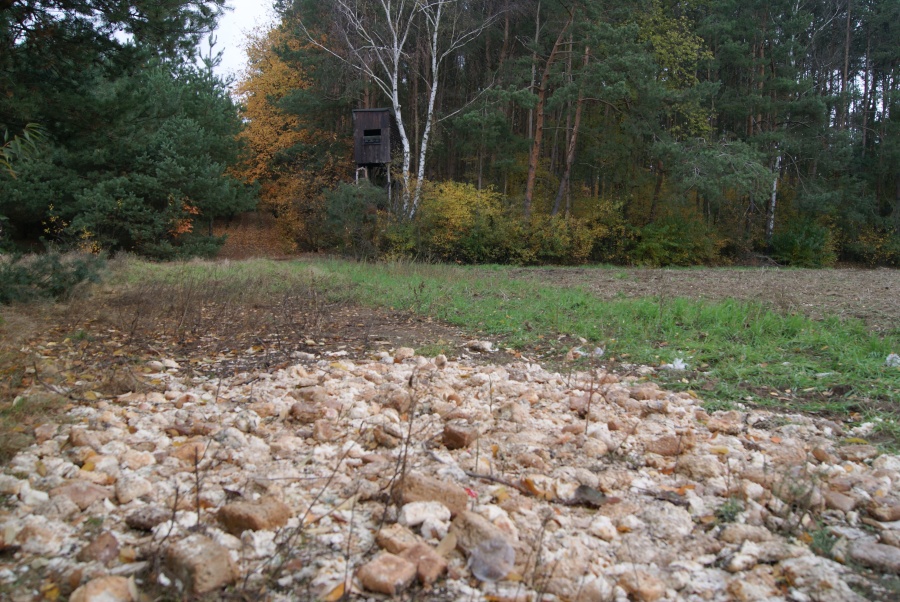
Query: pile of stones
x,y
404,476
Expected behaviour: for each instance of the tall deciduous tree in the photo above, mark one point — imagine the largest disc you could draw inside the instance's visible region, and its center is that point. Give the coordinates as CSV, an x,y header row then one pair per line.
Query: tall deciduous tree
x,y
291,155
375,38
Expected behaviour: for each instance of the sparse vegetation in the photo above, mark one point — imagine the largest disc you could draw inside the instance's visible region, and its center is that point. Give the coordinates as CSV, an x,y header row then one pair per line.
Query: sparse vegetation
x,y
736,352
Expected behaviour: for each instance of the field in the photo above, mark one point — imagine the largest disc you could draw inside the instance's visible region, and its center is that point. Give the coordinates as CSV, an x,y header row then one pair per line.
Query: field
x,y
248,359
793,340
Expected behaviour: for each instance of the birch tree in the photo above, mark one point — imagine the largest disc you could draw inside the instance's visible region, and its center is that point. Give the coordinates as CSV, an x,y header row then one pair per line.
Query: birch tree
x,y
375,38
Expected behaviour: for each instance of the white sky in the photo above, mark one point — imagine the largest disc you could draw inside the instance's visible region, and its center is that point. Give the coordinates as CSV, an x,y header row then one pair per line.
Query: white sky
x,y
232,31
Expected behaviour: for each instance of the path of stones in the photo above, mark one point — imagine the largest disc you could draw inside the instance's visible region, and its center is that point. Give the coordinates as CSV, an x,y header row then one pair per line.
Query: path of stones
x,y
429,479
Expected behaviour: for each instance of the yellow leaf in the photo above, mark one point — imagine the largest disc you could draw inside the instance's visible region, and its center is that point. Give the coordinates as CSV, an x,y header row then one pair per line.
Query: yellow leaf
x,y
335,594
719,450
41,468
856,441
50,591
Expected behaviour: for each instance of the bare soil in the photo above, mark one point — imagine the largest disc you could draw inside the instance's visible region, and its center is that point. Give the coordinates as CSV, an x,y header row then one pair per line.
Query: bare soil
x,y
870,295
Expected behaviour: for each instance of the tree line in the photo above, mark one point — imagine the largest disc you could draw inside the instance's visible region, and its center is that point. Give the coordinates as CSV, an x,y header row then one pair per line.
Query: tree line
x,y
650,131
666,130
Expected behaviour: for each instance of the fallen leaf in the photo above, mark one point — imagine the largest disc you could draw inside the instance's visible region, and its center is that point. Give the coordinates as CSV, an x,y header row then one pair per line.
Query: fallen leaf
x,y
336,594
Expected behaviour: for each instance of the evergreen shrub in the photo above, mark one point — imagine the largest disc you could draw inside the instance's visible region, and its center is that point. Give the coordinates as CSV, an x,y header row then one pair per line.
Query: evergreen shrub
x,y
804,244
354,216
675,240
50,275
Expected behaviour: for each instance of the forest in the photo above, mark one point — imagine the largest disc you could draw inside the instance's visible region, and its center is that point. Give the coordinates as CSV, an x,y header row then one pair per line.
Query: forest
x,y
651,132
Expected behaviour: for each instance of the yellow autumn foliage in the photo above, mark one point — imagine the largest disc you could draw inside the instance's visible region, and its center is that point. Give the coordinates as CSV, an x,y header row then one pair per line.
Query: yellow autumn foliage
x,y
452,211
289,189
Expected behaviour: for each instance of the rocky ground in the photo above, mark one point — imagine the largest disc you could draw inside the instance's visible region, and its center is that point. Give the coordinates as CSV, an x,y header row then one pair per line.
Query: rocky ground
x,y
406,477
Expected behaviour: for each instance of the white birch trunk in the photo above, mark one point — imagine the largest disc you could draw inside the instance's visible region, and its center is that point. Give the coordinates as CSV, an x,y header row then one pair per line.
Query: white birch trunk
x,y
434,21
377,50
770,218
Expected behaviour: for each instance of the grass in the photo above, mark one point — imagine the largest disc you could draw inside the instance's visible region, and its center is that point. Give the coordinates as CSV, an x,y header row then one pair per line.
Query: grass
x,y
735,351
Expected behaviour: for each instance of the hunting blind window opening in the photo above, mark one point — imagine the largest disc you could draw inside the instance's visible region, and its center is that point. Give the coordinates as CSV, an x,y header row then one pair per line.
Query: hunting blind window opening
x,y
371,136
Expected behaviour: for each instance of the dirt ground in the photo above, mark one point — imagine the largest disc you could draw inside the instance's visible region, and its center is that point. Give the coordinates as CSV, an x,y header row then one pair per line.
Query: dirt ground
x,y
870,295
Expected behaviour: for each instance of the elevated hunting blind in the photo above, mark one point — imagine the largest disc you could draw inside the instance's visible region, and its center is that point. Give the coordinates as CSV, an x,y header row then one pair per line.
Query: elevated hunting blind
x,y
372,137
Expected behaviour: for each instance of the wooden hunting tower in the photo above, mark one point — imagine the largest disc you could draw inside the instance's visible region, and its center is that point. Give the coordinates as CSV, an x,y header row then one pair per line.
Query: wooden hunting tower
x,y
372,137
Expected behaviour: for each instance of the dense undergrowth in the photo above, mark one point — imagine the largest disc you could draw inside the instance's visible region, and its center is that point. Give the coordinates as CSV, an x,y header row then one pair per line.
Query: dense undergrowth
x,y
458,223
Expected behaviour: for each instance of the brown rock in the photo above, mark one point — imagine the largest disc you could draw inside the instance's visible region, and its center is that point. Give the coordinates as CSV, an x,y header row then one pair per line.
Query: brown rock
x,y
266,514
316,394
699,467
387,574
35,538
132,487
838,501
106,589
191,451
575,429
729,423
82,493
670,445
45,432
323,431
823,456
647,392
739,533
396,538
429,564
104,549
404,353
890,538
641,585
200,564
471,529
886,513
386,439
147,517
459,435
857,453
79,437
418,488
530,460
306,413
876,556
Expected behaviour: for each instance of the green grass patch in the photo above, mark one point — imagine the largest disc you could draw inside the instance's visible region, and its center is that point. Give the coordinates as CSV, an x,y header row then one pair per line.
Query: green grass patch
x,y
735,351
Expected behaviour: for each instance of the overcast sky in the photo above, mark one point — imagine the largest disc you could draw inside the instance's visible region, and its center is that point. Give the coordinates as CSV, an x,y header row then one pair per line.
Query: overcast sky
x,y
232,32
